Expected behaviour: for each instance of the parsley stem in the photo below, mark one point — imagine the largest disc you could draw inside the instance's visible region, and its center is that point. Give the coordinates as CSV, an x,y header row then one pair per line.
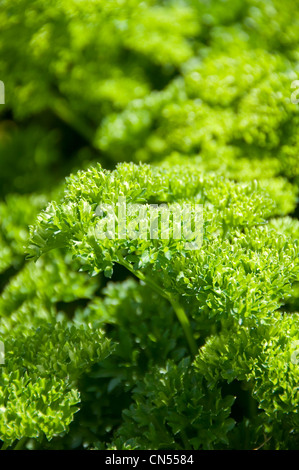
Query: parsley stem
x,y
20,443
180,312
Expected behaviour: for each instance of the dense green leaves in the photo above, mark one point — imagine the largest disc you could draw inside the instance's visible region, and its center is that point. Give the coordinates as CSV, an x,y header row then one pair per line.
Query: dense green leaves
x,y
137,341
235,282
175,410
38,381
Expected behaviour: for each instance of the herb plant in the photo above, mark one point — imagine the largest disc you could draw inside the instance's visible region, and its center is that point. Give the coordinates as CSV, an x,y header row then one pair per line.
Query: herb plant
x,y
132,342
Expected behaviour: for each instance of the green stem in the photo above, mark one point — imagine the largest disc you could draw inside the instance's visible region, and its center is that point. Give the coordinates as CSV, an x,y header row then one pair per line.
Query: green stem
x,y
20,444
4,446
143,278
180,313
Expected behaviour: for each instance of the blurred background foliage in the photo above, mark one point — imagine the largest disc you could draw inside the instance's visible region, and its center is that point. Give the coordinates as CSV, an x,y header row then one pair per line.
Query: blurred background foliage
x,y
142,80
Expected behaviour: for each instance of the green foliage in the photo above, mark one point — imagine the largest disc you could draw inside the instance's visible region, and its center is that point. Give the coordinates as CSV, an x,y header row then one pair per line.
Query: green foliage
x,y
216,309
174,409
36,151
140,83
132,342
15,216
38,382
